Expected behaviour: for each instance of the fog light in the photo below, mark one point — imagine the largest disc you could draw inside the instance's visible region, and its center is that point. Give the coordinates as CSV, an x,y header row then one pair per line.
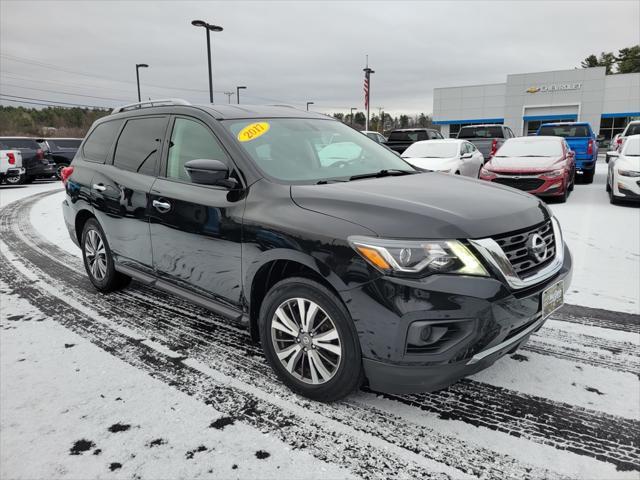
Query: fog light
x,y
425,333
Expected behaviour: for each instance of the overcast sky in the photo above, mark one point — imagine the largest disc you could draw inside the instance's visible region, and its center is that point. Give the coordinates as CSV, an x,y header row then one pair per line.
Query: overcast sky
x,y
295,51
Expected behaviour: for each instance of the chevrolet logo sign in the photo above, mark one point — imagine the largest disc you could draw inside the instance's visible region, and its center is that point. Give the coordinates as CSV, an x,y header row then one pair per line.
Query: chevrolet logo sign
x,y
533,89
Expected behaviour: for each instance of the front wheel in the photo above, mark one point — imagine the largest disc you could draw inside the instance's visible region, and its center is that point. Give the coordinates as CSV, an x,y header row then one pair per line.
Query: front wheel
x,y
309,340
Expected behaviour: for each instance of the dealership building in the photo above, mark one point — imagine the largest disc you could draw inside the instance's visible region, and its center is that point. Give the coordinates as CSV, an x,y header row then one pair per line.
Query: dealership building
x,y
525,101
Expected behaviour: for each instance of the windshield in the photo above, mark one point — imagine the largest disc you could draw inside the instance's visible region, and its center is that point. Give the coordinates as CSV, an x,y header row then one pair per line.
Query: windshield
x,y
530,147
311,150
564,131
632,146
480,132
408,135
431,149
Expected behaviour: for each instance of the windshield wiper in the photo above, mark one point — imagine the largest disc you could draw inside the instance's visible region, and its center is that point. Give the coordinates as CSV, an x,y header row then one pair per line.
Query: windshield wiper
x,y
383,173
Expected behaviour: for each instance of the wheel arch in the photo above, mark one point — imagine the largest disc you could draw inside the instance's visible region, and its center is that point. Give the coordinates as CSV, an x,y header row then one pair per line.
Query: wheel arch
x,y
81,218
277,265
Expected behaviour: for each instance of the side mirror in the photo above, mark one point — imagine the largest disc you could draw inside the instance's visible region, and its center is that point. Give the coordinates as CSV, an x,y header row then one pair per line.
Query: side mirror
x,y
209,172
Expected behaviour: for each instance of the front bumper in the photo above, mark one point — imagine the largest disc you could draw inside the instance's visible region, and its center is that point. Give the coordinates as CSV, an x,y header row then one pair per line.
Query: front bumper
x,y
493,319
550,187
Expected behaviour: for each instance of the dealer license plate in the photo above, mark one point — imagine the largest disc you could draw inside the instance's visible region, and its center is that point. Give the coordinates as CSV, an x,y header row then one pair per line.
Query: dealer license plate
x,y
552,299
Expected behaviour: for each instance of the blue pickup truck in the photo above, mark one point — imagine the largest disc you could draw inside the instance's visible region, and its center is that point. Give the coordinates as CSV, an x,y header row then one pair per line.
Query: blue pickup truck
x,y
581,140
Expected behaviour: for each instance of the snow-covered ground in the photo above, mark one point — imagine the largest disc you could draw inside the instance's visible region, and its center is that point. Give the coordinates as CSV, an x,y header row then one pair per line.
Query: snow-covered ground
x,y
605,243
139,384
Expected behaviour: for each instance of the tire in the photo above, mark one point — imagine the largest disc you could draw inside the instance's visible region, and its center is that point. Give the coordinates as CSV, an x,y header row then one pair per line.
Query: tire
x,y
59,168
101,270
587,178
563,198
339,375
608,184
573,181
15,180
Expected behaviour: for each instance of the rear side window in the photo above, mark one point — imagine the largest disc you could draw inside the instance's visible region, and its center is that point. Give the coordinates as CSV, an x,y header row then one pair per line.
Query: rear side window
x,y
634,129
191,140
97,146
565,131
66,144
19,144
481,132
138,148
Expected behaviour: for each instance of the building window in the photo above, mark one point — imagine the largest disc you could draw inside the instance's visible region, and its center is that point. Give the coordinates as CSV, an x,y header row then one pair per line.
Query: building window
x,y
611,126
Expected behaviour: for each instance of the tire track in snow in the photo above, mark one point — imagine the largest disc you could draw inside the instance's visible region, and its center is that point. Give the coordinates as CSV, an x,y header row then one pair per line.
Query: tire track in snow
x,y
363,454
171,328
597,317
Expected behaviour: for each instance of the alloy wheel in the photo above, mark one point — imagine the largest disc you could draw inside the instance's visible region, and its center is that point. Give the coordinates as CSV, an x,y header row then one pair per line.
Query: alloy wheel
x,y
96,255
306,341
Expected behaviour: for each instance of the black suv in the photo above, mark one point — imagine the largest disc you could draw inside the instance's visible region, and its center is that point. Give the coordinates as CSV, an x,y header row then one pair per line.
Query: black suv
x,y
60,151
348,265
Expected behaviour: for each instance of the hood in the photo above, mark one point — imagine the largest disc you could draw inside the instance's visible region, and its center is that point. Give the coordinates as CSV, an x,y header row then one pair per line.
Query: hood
x,y
425,206
432,163
525,164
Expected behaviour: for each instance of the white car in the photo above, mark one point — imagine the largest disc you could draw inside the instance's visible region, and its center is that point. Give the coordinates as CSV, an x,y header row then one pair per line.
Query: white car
x,y
450,155
373,135
623,177
632,128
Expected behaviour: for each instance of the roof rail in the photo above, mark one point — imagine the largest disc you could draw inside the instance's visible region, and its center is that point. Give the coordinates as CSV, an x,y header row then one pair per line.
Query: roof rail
x,y
150,103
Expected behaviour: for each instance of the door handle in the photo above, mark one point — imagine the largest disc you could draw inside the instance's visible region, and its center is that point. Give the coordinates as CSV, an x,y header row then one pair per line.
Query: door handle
x,y
99,187
162,207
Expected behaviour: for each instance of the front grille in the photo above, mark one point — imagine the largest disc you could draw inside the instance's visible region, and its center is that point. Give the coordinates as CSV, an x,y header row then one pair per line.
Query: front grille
x,y
526,184
514,245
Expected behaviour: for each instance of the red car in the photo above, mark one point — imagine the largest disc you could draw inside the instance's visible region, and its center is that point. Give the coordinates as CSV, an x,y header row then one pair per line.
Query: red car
x,y
542,166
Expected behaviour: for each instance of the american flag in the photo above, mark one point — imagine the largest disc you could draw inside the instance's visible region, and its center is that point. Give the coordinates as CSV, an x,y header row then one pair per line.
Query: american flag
x,y
366,90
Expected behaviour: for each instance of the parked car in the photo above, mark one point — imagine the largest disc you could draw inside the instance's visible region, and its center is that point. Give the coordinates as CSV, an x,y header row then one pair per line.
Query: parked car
x,y
357,270
449,155
487,138
33,159
10,165
542,166
59,150
378,137
623,176
632,128
400,139
581,140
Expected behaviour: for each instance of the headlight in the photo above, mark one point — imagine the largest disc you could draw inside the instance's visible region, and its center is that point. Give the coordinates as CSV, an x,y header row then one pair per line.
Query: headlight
x,y
628,173
448,170
554,173
414,257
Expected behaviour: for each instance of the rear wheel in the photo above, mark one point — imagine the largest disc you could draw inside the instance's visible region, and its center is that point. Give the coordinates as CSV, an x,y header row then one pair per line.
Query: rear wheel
x,y
19,180
59,168
588,177
98,260
309,340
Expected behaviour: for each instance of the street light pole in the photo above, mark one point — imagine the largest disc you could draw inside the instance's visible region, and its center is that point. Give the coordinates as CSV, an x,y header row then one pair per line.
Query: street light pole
x,y
309,103
138,67
214,28
238,93
352,109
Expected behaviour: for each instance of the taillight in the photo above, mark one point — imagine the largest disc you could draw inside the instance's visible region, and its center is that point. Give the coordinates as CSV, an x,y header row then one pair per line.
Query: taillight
x,y
40,154
66,173
12,158
590,148
494,147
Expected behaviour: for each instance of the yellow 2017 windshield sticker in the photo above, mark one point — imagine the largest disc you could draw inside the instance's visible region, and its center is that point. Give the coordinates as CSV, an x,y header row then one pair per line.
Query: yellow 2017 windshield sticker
x,y
253,131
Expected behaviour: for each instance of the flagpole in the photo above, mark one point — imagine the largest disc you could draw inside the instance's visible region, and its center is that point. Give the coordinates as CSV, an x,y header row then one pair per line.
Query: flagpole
x,y
367,83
